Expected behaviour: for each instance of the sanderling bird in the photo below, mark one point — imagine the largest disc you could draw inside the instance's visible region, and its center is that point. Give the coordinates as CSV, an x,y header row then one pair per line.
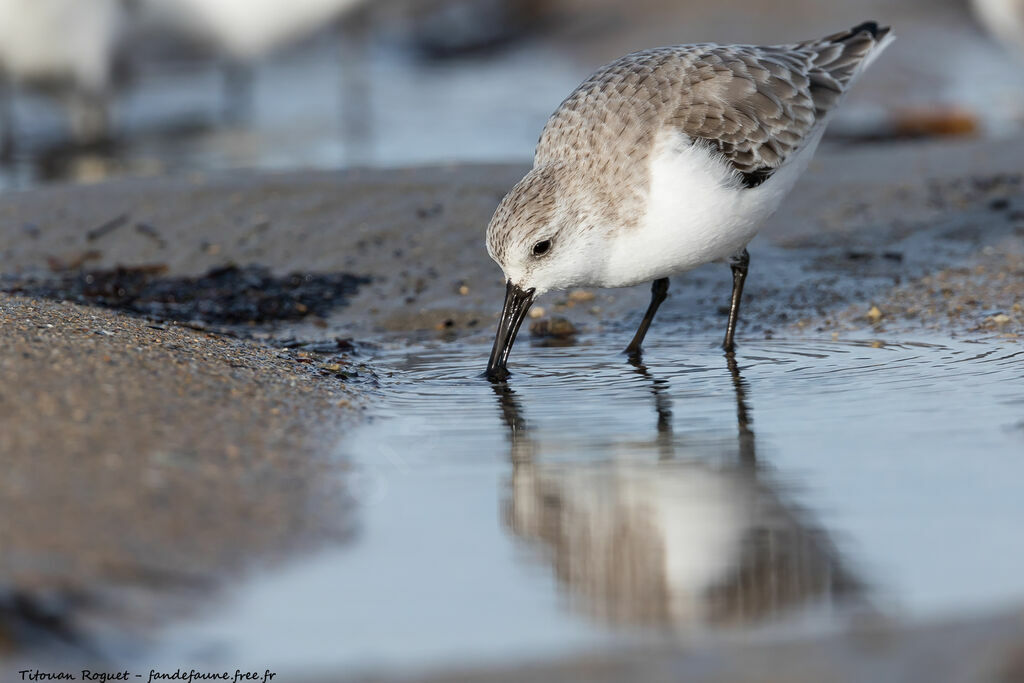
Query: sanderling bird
x,y
242,32
246,30
1004,19
664,160
62,47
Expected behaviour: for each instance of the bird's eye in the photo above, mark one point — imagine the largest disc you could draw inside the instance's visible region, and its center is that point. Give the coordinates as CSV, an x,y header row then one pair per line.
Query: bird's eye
x,y
542,248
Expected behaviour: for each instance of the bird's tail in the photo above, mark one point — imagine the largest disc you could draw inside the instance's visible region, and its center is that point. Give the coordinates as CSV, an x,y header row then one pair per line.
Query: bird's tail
x,y
845,55
878,33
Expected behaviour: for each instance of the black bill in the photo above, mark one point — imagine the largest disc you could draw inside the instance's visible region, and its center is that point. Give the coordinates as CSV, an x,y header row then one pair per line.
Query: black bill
x,y
517,303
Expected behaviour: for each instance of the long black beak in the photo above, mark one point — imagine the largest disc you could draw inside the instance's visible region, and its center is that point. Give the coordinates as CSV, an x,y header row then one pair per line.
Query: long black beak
x,y
517,303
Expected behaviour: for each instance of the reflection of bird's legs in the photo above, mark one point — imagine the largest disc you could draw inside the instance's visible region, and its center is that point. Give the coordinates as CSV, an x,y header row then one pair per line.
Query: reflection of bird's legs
x,y
743,419
662,405
521,445
6,119
739,263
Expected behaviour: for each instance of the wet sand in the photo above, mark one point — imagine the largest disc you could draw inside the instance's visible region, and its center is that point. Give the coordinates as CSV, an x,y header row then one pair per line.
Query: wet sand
x,y
901,212
148,462
978,650
154,460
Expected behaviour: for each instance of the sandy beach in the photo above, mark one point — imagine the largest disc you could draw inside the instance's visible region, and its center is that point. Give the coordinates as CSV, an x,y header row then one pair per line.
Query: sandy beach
x,y
240,408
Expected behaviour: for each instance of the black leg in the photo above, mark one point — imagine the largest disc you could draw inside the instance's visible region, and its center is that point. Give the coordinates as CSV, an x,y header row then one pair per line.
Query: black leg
x,y
89,116
739,265
659,290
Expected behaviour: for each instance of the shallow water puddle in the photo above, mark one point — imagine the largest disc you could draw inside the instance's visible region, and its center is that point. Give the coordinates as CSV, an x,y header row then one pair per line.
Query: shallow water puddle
x,y
594,501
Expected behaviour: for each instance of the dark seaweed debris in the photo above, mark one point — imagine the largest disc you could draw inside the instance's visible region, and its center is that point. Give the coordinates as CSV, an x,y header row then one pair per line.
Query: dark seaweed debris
x,y
229,295
28,620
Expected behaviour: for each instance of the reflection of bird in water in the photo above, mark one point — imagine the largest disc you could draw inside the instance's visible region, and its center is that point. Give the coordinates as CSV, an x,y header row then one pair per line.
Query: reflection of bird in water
x,y
1004,19
672,543
65,48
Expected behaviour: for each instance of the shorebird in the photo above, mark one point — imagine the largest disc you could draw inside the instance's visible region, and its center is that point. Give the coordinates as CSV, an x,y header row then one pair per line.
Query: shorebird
x,y
1004,19
664,160
244,31
247,29
62,47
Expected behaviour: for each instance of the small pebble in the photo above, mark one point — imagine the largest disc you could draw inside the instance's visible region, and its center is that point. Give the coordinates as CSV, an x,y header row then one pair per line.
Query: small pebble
x,y
463,290
874,315
537,312
580,295
559,328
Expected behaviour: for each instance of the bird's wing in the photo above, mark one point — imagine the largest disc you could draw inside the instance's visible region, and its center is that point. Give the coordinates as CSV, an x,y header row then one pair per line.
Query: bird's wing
x,y
756,105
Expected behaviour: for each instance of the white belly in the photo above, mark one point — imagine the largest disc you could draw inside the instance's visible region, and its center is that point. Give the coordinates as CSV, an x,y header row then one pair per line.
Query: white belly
x,y
696,212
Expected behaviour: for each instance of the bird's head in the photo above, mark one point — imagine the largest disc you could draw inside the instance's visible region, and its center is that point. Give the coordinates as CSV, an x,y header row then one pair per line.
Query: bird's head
x,y
542,236
543,239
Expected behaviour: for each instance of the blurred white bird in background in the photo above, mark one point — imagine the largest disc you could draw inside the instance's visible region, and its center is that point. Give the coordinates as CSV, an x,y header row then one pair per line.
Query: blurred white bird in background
x,y
241,32
1004,19
68,48
77,52
65,48
248,29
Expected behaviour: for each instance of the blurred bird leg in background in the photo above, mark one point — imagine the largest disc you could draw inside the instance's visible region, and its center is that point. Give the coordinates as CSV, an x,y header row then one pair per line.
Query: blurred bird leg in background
x,y
355,92
6,119
238,91
453,28
88,115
